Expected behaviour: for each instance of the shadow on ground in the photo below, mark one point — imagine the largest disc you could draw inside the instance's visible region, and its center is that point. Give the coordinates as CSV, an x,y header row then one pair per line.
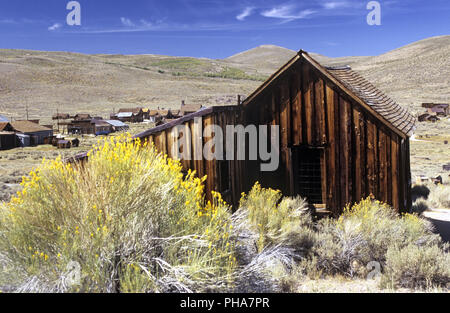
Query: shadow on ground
x,y
442,228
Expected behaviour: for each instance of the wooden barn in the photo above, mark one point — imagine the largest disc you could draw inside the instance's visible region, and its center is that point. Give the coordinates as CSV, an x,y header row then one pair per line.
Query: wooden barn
x,y
36,133
341,139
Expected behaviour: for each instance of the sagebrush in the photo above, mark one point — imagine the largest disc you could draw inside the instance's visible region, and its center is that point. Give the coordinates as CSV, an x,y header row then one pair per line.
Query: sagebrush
x,y
128,217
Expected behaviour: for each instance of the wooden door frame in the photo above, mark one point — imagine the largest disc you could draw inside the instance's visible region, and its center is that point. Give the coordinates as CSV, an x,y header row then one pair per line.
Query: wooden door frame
x,y
323,169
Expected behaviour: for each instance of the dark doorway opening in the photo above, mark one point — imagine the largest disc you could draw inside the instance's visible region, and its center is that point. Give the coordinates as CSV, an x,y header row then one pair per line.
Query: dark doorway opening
x,y
307,167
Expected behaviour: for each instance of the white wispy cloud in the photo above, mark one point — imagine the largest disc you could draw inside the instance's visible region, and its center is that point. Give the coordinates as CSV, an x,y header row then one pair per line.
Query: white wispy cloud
x,y
336,5
54,27
246,13
127,22
288,12
146,23
8,21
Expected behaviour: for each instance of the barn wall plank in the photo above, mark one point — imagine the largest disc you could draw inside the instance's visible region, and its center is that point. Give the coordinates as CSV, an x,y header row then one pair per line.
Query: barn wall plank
x,y
319,109
358,163
345,152
296,108
332,186
371,165
308,101
395,173
209,162
383,175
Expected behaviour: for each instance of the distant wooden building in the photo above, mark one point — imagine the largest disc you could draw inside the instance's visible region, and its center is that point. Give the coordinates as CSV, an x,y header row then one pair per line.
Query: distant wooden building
x,y
6,126
154,116
341,139
438,111
101,127
89,127
117,126
82,116
30,133
61,116
7,136
186,109
130,115
64,144
8,140
146,113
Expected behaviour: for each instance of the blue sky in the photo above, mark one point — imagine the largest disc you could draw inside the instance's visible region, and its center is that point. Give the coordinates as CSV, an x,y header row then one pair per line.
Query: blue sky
x,y
219,28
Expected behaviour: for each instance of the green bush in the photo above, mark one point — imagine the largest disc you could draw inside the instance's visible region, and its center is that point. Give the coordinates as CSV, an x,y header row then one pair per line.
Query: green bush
x,y
416,267
127,217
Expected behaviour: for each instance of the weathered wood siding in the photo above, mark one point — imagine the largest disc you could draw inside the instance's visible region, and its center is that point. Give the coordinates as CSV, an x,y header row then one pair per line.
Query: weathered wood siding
x,y
361,156
167,141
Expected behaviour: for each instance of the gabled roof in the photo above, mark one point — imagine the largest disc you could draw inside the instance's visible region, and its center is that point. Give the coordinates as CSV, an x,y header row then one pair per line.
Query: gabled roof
x,y
394,113
116,123
132,110
359,89
100,122
5,126
124,114
190,108
28,127
82,116
61,116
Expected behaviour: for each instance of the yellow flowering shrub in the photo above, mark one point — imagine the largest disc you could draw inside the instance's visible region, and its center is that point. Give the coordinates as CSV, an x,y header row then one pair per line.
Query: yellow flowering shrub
x,y
276,221
363,234
128,216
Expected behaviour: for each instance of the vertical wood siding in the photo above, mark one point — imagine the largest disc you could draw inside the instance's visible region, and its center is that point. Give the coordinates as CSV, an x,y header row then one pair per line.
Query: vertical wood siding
x,y
361,156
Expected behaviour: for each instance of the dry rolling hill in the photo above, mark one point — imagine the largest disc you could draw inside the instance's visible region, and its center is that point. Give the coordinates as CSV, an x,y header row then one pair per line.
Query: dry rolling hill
x,y
71,82
47,81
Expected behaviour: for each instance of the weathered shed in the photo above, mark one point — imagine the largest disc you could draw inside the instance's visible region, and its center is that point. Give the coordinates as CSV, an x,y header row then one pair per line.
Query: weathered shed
x,y
101,127
133,115
117,125
89,127
154,116
61,116
23,140
37,133
82,116
186,109
7,136
64,144
341,139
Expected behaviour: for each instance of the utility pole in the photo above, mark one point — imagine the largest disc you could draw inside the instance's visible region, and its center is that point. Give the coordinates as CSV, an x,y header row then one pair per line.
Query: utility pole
x,y
27,111
57,118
